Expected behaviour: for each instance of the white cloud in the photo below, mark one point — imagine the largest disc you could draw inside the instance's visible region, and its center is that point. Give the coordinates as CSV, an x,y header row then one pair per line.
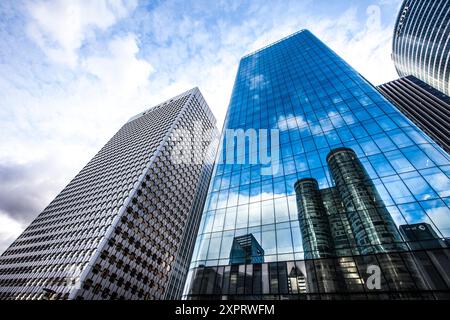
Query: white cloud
x,y
441,218
366,47
120,72
59,27
73,122
257,81
291,122
10,229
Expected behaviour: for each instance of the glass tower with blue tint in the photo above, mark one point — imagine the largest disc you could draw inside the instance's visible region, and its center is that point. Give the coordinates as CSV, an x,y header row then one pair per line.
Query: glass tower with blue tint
x,y
357,202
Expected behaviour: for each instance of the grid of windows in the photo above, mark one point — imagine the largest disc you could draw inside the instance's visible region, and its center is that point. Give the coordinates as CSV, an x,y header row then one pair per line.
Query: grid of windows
x,y
421,45
427,107
319,104
340,278
112,229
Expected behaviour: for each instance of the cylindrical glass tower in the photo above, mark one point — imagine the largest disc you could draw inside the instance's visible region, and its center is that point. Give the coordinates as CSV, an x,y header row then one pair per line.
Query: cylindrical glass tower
x,y
421,42
372,225
314,226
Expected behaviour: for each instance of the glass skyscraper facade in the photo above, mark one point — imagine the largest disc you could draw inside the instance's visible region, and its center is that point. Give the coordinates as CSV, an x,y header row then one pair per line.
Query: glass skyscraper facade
x,y
421,45
356,187
124,227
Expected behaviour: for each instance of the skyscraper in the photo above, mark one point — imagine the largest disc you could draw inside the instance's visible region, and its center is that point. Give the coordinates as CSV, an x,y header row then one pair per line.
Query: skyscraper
x,y
361,166
246,249
427,107
124,227
421,45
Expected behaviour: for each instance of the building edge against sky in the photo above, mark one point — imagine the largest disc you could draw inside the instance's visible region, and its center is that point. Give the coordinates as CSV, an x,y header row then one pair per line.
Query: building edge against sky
x,y
125,226
320,104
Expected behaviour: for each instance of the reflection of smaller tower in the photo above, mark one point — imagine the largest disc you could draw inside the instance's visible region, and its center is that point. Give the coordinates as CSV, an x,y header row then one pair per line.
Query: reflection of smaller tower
x,y
246,249
372,224
341,231
205,280
317,242
348,273
317,234
296,281
345,220
322,276
421,236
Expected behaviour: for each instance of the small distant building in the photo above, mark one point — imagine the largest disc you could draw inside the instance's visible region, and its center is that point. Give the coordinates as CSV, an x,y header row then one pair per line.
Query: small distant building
x,y
246,249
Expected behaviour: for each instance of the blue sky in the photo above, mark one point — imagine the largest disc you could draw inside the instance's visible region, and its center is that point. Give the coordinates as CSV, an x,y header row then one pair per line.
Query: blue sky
x,y
72,72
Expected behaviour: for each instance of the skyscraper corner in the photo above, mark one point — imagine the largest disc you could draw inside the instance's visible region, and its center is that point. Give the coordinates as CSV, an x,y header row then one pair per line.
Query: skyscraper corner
x,y
353,183
124,227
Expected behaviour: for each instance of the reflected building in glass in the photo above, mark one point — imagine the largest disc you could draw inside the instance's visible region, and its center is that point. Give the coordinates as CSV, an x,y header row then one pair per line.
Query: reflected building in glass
x,y
422,236
246,249
362,220
353,221
347,172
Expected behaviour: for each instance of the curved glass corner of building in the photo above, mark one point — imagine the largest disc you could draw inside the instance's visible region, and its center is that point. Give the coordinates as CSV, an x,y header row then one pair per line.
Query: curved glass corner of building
x,y
421,45
321,189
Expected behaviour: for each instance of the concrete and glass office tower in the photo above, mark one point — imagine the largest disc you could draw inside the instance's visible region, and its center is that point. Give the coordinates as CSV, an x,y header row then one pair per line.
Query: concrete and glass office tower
x,y
124,227
427,107
352,173
421,42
